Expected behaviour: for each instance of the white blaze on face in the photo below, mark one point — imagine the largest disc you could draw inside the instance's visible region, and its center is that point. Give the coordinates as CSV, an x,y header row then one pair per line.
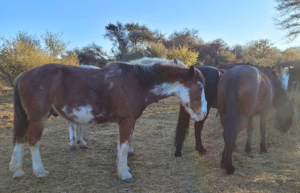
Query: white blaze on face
x,y
285,77
81,115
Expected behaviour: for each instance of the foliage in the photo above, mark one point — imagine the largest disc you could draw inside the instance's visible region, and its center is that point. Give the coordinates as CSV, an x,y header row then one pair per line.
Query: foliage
x,y
288,17
156,50
187,56
24,52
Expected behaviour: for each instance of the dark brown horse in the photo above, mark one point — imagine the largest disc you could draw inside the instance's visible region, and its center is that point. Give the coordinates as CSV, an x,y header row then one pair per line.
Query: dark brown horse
x,y
117,93
212,76
245,91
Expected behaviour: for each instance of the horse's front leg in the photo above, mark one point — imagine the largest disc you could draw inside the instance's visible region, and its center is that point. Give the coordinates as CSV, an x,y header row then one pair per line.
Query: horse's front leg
x,y
198,128
263,122
79,140
130,149
249,133
72,144
125,128
181,130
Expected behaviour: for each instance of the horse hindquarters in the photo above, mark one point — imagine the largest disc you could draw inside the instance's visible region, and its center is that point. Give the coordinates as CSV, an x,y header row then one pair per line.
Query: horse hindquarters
x,y
26,130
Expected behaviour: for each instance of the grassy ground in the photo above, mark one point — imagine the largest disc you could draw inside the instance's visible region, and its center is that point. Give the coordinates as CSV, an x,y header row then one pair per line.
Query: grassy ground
x,y
153,166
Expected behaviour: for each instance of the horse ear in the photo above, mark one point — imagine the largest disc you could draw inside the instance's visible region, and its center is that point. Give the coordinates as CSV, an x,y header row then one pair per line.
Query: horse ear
x,y
192,70
175,61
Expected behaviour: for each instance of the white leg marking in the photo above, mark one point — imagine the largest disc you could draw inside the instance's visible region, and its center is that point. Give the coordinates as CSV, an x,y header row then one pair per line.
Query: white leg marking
x,y
122,167
38,168
72,135
79,139
285,80
16,161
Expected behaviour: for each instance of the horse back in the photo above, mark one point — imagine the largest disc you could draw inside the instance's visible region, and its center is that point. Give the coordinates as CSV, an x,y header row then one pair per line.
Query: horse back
x,y
254,89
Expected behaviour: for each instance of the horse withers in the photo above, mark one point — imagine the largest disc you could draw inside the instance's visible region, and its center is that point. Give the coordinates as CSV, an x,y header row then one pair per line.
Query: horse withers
x,y
245,91
118,93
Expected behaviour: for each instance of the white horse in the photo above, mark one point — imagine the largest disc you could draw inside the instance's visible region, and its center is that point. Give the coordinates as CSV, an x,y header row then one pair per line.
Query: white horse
x,y
285,76
75,129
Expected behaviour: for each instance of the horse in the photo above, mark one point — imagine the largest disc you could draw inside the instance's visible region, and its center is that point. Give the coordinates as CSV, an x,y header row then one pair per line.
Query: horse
x,y
117,93
212,76
245,91
294,78
75,129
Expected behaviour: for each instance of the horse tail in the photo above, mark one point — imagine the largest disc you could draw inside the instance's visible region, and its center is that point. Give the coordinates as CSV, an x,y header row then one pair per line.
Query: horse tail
x,y
21,120
232,118
181,129
232,106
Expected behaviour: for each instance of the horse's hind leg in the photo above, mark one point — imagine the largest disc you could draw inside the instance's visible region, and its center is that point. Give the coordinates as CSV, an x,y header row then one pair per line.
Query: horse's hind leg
x,y
16,161
249,133
263,120
72,135
82,144
34,134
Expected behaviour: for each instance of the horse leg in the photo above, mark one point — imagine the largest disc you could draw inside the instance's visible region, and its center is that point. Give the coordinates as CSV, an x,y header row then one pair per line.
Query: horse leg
x,y
229,138
16,161
130,149
82,144
249,133
198,128
72,135
181,130
35,131
125,128
263,120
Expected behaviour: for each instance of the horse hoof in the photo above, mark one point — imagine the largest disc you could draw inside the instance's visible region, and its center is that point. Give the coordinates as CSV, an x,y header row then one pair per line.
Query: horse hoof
x,y
201,151
177,154
130,154
231,170
247,150
18,174
42,174
83,147
129,180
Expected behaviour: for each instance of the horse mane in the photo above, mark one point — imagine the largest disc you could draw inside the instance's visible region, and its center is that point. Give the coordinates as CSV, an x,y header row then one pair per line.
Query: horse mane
x,y
147,75
163,61
280,93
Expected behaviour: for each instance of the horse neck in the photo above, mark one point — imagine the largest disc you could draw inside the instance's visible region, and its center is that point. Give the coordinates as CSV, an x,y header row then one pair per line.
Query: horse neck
x,y
280,97
164,90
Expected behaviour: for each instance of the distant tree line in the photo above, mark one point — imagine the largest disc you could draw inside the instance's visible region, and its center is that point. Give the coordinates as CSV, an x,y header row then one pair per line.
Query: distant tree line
x,y
132,41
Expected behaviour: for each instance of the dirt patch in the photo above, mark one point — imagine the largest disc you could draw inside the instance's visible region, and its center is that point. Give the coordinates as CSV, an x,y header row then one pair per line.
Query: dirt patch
x,y
153,166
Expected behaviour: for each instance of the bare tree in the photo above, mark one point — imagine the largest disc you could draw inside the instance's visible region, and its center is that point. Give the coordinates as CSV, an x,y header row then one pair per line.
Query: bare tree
x,y
288,17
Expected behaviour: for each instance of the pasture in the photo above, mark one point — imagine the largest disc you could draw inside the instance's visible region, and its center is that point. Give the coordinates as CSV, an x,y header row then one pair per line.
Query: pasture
x,y
153,166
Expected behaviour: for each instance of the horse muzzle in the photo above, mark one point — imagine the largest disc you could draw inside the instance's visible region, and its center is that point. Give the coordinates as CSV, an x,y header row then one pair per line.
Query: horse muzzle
x,y
199,116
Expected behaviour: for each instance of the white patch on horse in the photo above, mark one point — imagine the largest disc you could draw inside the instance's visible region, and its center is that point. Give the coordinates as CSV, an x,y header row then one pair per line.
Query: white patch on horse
x,y
203,102
111,85
81,115
38,168
89,67
285,80
16,161
166,88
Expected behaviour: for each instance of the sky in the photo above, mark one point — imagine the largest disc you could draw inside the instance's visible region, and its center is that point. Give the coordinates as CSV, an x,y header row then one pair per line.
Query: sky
x,y
83,22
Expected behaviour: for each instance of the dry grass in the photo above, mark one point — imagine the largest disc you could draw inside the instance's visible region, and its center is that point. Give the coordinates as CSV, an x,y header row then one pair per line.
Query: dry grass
x,y
153,166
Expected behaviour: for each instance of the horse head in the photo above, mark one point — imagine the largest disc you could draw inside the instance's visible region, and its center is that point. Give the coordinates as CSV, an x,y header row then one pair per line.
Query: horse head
x,y
192,94
284,116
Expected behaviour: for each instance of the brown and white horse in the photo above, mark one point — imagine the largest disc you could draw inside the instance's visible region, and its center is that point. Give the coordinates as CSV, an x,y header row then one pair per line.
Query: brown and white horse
x,y
117,93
